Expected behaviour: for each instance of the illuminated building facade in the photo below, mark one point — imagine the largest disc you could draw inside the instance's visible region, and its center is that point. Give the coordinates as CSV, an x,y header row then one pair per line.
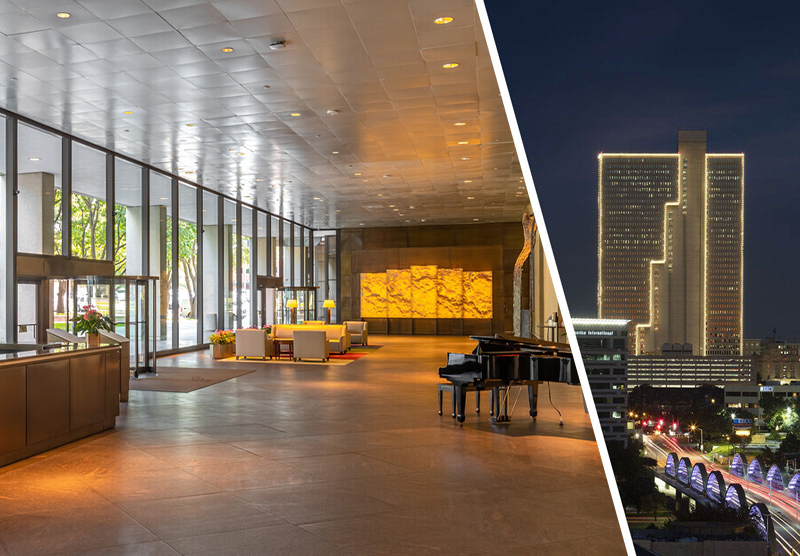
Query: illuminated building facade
x,y
670,246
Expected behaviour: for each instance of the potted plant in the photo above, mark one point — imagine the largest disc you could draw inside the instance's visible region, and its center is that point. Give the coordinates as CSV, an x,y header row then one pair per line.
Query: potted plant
x,y
90,323
222,343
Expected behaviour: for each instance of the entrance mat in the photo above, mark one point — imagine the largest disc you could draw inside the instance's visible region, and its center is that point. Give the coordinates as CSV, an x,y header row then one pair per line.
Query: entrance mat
x,y
178,379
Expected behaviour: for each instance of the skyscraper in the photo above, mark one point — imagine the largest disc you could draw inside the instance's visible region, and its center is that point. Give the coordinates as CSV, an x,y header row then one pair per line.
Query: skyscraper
x,y
670,246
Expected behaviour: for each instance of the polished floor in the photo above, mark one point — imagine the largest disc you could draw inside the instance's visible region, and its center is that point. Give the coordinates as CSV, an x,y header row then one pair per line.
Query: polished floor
x,y
318,460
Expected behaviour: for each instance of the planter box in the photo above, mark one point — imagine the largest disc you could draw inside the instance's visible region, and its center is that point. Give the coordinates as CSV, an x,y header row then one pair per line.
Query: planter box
x,y
222,351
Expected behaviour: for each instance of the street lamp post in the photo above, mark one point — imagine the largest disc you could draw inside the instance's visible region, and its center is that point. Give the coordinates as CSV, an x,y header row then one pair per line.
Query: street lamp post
x,y
693,427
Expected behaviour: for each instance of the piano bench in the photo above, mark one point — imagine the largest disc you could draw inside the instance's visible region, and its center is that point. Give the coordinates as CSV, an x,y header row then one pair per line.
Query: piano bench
x,y
448,387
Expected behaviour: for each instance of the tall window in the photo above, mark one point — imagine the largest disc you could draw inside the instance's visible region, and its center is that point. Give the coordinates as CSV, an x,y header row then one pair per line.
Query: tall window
x,y
128,236
88,209
3,233
39,219
187,265
160,230
247,270
212,255
229,257
275,246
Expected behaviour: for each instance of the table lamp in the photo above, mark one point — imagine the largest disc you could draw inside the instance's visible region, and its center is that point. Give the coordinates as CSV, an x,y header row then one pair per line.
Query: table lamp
x,y
292,304
329,304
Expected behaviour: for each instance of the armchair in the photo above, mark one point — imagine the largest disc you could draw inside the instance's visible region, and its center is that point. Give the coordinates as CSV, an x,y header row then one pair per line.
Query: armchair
x,y
253,343
310,344
358,332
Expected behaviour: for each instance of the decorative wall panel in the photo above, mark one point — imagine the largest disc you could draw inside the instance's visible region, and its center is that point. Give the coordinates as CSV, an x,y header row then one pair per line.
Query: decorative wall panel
x,y
398,288
450,293
427,292
477,295
373,295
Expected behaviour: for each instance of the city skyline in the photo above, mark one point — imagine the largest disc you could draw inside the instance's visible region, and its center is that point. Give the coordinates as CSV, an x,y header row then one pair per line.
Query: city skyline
x,y
734,77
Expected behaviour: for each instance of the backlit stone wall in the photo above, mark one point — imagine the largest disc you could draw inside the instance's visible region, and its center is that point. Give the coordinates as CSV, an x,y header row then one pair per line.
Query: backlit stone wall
x,y
426,292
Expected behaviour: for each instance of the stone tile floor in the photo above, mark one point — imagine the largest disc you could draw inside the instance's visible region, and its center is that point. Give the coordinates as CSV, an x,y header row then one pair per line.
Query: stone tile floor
x,y
307,460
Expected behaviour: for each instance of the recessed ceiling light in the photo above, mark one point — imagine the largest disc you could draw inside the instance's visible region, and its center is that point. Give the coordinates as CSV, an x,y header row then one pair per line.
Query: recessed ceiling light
x,y
391,206
380,194
475,219
443,20
259,179
465,158
396,210
128,112
63,15
189,172
360,223
358,173
163,199
295,114
463,142
189,125
227,49
34,159
470,198
461,123
240,154
338,210
423,220
450,65
266,86
332,112
334,152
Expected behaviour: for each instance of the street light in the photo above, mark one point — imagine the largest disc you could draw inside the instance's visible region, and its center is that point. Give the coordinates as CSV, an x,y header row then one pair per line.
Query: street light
x,y
694,427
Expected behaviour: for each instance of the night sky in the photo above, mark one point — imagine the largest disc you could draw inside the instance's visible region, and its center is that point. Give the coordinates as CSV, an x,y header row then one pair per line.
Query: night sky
x,y
624,77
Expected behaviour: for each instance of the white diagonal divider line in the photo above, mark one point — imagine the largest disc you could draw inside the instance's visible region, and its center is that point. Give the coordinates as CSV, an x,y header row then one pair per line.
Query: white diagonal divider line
x,y
548,253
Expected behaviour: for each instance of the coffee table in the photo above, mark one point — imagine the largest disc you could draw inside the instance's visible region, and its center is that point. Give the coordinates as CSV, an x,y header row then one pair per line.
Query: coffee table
x,y
279,343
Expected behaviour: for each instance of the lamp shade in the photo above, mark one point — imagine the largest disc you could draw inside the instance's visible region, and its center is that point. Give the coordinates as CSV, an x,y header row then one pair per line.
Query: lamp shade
x,y
292,304
329,304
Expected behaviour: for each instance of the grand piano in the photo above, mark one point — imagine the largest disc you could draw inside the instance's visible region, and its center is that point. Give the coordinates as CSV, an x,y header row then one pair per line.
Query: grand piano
x,y
501,361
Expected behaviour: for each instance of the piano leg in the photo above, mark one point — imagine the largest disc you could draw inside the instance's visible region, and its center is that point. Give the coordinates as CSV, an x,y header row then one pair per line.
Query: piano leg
x,y
491,402
477,401
453,414
533,399
440,400
460,396
500,414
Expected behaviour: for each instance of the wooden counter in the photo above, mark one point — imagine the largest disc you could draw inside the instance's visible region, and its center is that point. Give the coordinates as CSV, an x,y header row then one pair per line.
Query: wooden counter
x,y
52,397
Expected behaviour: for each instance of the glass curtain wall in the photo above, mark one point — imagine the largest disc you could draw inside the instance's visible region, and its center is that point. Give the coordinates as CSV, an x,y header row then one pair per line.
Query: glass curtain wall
x,y
187,265
212,256
160,246
63,210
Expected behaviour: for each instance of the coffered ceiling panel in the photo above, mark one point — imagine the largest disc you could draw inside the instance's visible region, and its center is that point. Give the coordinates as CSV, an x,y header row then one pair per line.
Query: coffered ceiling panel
x,y
371,113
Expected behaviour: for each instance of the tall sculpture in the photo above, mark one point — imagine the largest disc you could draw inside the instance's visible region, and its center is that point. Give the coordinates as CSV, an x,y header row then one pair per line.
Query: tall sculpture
x,y
529,229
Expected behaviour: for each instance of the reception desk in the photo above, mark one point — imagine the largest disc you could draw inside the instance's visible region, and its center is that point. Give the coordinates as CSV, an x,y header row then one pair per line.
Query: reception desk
x,y
50,397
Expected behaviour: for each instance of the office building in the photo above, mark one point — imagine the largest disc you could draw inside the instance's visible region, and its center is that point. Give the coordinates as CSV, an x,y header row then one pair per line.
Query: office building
x,y
189,165
777,361
670,246
604,350
679,367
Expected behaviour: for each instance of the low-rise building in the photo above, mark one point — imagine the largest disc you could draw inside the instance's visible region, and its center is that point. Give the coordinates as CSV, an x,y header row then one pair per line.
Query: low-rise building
x,y
677,367
604,349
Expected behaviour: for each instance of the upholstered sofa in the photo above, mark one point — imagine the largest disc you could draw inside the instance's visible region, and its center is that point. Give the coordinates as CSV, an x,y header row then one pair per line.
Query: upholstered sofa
x,y
337,335
252,342
310,344
358,332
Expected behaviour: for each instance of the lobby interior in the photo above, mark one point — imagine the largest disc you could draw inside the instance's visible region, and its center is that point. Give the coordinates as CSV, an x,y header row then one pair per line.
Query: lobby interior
x,y
204,145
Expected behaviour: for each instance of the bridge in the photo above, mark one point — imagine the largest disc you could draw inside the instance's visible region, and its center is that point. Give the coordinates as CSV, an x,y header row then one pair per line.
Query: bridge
x,y
709,489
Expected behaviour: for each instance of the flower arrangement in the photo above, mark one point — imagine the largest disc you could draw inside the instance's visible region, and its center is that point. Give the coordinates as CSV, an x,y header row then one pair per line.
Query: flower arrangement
x,y
222,337
267,328
92,321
